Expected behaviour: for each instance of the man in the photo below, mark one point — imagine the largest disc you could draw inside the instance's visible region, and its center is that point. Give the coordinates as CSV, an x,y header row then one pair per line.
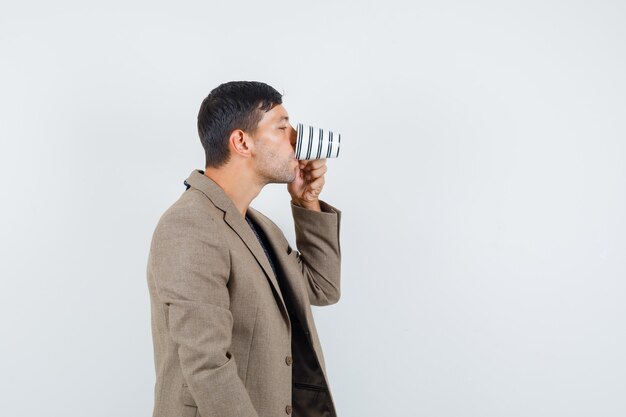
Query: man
x,y
232,326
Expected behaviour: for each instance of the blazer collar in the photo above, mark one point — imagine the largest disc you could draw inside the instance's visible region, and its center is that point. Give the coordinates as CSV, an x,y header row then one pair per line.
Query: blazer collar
x,y
237,222
211,189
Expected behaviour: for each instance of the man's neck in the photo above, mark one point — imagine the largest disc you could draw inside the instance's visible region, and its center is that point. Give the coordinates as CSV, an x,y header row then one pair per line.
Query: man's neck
x,y
237,186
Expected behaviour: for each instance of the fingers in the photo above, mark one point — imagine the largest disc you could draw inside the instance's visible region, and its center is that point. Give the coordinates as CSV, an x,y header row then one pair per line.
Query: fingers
x,y
315,169
317,184
316,163
312,164
315,173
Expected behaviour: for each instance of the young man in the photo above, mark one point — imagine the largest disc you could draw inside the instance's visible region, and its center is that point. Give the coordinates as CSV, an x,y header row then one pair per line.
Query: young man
x,y
232,326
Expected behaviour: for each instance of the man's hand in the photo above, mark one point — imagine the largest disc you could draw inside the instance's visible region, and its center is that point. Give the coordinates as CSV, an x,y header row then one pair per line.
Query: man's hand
x,y
307,186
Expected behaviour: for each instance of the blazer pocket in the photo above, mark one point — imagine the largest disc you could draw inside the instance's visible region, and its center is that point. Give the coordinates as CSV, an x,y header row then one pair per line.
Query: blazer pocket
x,y
190,409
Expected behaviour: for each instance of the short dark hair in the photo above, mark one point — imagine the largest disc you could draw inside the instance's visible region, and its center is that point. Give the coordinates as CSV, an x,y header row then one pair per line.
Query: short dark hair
x,y
232,105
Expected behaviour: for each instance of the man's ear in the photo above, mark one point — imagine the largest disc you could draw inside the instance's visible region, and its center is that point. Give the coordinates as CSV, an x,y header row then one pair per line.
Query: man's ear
x,y
240,142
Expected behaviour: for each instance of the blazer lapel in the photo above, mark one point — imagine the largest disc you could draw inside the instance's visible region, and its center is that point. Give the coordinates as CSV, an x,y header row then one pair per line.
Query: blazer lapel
x,y
293,284
238,223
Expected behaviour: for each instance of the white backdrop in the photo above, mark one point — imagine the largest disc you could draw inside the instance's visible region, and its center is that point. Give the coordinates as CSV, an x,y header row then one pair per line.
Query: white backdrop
x,y
481,179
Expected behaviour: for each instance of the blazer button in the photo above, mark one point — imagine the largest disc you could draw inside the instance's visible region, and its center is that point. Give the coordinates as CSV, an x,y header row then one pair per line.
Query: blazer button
x,y
288,409
288,360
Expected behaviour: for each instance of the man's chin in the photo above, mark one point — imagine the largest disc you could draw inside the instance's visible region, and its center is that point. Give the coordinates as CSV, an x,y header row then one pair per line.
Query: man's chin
x,y
290,176
293,178
295,172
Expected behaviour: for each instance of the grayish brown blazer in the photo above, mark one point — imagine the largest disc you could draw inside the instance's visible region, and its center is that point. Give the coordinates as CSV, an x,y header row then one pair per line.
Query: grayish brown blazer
x,y
224,343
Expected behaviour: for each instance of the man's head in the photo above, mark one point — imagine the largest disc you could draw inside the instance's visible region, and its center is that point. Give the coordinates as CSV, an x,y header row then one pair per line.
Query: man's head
x,y
246,119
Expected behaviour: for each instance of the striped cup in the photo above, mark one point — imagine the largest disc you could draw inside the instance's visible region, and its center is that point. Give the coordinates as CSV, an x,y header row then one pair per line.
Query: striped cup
x,y
315,143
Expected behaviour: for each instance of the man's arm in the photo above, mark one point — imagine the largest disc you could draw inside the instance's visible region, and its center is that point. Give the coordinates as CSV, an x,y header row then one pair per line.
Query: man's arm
x,y
191,269
317,239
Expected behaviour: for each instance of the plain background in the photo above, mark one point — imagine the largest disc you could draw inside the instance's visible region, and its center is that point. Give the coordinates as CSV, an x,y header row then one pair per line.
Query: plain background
x,y
481,179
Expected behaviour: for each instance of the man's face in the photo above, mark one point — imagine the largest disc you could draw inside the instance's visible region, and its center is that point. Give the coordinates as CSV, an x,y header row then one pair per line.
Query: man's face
x,y
274,147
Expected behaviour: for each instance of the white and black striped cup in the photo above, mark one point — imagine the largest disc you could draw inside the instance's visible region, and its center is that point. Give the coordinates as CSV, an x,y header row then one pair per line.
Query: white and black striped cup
x,y
316,143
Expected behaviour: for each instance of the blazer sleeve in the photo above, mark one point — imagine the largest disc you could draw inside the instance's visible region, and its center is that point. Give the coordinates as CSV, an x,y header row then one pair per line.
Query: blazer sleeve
x,y
192,268
317,239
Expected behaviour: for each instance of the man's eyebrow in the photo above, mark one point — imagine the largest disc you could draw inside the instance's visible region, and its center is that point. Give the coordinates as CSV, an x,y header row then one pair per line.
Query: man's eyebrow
x,y
283,118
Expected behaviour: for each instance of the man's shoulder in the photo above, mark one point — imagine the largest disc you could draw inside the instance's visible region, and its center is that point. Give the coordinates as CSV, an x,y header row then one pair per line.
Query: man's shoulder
x,y
192,209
